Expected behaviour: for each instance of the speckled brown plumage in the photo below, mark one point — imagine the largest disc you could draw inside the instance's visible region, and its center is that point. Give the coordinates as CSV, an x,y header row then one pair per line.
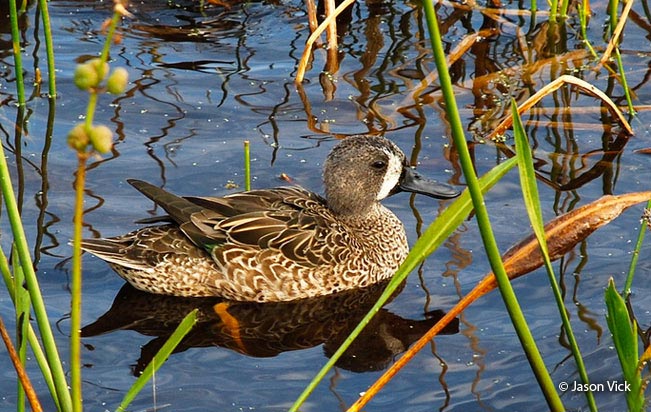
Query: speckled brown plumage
x,y
276,244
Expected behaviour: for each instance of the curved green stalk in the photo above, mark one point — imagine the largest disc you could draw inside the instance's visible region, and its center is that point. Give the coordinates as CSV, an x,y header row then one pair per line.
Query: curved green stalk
x,y
510,300
532,203
18,61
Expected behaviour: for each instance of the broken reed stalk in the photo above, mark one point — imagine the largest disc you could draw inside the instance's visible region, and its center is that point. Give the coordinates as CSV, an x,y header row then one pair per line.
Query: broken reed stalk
x,y
614,39
307,51
331,35
550,88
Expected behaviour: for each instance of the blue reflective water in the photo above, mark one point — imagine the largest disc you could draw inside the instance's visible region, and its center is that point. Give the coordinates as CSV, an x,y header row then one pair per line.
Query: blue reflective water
x,y
203,80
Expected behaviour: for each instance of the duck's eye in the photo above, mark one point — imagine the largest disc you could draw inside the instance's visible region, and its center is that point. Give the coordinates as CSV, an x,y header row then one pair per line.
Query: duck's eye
x,y
379,165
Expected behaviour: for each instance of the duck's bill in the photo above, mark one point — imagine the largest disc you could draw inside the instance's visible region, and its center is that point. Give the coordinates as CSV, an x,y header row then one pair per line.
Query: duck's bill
x,y
411,181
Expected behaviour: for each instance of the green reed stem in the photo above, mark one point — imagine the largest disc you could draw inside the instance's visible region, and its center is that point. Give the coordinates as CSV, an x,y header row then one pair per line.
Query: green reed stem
x,y
532,203
93,95
22,320
49,48
613,5
565,4
508,296
40,313
13,283
109,36
553,10
622,73
76,281
75,303
18,60
583,6
636,256
247,165
164,352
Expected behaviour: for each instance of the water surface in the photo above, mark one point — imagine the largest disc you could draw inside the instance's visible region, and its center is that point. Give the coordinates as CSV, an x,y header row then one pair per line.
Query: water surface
x,y
204,79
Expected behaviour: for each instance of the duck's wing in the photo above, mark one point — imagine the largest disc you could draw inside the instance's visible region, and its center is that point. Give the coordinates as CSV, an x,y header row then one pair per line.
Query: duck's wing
x,y
289,219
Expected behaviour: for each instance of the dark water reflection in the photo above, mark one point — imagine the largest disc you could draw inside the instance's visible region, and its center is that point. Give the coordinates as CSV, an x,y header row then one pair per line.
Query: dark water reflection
x,y
205,77
265,330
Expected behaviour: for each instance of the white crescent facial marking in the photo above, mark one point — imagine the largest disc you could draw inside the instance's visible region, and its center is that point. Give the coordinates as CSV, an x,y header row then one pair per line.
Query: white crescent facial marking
x,y
392,175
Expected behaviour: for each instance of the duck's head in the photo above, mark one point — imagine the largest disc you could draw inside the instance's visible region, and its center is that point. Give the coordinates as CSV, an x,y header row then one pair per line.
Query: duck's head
x,y
362,170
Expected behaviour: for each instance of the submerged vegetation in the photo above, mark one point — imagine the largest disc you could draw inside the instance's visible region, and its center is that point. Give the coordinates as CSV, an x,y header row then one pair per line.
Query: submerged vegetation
x,y
548,243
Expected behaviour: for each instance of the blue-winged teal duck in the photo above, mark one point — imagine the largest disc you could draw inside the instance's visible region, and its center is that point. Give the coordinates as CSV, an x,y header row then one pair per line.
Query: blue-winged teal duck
x,y
277,244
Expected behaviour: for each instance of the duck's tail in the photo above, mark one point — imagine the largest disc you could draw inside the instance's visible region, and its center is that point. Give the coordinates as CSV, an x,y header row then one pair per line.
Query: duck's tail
x,y
177,207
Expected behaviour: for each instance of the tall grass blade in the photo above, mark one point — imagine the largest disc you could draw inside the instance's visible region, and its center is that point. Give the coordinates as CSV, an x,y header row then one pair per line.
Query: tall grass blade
x,y
448,221
529,189
624,332
159,359
51,352
517,318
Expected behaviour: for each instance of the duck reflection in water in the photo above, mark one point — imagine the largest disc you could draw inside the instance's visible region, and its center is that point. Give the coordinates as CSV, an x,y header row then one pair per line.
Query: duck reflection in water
x,y
266,330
